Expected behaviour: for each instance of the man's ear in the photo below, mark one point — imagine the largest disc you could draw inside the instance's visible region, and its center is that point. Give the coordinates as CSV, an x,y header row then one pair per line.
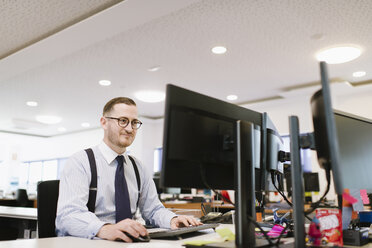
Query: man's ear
x,y
103,122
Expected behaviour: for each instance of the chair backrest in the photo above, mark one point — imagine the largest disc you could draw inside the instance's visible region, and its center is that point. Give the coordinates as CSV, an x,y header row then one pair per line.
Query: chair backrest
x,y
47,198
21,198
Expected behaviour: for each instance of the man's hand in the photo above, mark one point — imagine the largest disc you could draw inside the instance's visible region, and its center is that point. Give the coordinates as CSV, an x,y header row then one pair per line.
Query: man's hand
x,y
116,231
184,220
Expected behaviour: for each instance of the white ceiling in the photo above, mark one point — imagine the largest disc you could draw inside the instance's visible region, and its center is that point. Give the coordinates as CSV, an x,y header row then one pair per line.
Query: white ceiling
x,y
36,20
271,47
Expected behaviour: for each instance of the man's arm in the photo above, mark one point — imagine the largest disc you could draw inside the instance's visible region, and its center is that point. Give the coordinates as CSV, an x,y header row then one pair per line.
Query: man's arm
x,y
73,217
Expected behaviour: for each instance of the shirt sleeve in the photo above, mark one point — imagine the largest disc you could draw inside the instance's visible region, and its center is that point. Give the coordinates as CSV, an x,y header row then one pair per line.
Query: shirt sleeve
x,y
73,217
152,210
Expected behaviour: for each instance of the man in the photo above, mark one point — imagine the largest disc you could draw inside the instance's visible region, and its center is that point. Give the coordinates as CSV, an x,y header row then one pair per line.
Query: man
x,y
120,124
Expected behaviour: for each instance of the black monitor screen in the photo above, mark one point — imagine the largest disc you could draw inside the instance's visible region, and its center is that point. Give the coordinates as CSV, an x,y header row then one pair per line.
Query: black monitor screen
x,y
311,182
199,140
200,146
325,134
355,143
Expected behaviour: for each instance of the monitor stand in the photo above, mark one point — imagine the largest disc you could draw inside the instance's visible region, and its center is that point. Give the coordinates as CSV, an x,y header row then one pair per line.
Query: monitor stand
x,y
244,189
245,192
245,185
297,184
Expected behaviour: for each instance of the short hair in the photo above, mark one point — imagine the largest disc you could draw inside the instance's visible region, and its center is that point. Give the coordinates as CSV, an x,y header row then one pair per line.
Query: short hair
x,y
110,104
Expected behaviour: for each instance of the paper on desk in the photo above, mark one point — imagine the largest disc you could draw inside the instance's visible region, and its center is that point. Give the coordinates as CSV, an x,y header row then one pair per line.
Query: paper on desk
x,y
357,206
225,235
364,195
200,242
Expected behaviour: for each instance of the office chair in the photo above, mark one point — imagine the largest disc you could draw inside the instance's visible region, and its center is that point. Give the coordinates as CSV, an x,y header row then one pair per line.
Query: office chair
x,y
21,198
47,198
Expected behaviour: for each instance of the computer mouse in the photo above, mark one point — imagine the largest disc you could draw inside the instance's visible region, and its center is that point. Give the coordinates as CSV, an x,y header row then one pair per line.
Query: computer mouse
x,y
139,239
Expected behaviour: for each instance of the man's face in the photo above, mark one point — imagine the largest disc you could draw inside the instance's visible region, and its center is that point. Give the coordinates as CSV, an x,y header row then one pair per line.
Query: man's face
x,y
114,135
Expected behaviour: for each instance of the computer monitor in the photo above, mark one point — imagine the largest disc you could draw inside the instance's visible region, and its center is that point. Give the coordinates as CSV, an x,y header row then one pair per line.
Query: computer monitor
x,y
325,134
209,143
199,140
311,182
274,146
355,143
326,144
171,190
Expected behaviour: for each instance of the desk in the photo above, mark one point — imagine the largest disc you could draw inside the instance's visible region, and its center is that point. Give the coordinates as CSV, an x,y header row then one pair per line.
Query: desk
x,y
197,205
71,242
20,218
221,205
13,202
185,208
18,213
184,205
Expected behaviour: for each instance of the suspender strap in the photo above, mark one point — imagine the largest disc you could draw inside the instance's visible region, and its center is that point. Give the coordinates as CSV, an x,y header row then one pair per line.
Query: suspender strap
x,y
137,177
93,182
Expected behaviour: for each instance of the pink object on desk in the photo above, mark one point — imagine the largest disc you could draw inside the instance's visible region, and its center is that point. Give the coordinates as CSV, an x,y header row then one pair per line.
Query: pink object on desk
x,y
276,231
363,194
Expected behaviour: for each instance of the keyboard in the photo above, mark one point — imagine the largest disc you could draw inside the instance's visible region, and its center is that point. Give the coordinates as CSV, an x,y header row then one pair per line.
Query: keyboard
x,y
168,233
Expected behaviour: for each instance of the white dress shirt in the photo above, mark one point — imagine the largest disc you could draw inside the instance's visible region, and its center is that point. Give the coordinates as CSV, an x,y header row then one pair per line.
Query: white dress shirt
x,y
73,217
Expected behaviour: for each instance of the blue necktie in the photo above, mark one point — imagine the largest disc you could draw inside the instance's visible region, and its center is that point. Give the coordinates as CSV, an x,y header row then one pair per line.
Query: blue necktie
x,y
122,202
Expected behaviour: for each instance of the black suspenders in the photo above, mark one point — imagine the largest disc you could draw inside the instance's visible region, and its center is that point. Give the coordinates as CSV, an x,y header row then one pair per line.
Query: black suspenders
x,y
137,177
93,182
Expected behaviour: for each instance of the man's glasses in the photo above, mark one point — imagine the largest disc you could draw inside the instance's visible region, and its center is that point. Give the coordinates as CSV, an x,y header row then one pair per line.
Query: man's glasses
x,y
123,122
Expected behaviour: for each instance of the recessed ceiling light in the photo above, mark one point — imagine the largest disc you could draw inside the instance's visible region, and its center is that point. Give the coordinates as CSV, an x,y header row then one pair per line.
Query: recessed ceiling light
x,y
219,50
232,97
359,74
153,69
48,119
31,103
61,129
150,96
85,124
105,82
338,55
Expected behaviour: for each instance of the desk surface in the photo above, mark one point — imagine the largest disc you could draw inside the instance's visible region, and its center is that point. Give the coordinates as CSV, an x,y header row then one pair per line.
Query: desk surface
x,y
72,242
18,212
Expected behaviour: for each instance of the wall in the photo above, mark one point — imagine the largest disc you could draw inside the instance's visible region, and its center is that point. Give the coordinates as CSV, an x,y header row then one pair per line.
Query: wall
x,y
149,137
26,148
15,148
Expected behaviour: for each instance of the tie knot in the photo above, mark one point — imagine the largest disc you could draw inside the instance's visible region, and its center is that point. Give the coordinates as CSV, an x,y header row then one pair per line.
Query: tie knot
x,y
120,159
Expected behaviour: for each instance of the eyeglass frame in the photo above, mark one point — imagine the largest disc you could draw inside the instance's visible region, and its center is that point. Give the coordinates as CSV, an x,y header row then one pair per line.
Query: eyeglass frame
x,y
131,122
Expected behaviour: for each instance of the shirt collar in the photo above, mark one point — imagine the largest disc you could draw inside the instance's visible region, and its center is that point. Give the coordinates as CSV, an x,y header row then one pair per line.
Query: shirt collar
x,y
108,154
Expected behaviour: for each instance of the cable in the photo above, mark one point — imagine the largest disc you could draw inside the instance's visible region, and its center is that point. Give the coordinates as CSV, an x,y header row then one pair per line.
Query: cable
x,y
284,197
316,205
261,230
279,191
202,207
